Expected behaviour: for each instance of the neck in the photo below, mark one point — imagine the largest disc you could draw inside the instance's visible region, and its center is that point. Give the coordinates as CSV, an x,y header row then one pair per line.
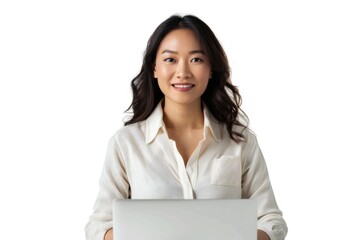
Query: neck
x,y
183,116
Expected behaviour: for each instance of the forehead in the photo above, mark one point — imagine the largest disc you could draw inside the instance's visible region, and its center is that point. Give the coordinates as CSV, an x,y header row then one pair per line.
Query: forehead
x,y
180,39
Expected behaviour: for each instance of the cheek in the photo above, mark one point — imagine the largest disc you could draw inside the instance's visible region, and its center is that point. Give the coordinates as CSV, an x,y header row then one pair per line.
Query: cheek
x,y
204,85
163,72
162,83
204,80
203,75
166,70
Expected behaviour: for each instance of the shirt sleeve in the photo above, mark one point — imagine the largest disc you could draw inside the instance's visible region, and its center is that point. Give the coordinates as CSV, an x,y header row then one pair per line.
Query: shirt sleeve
x,y
256,185
113,185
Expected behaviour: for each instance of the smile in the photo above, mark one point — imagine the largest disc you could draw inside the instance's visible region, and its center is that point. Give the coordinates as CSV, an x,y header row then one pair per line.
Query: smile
x,y
183,87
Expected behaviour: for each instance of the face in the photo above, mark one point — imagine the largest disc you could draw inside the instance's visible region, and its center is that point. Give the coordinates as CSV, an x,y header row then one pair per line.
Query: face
x,y
182,69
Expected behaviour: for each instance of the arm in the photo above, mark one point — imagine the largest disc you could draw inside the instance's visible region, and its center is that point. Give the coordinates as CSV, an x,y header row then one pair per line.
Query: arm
x,y
256,185
113,185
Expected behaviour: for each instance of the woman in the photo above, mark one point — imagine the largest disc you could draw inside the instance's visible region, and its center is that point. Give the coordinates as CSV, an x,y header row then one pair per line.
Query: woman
x,y
187,137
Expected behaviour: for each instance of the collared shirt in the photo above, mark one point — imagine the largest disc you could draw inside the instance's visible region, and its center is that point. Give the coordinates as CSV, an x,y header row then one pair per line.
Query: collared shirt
x,y
143,163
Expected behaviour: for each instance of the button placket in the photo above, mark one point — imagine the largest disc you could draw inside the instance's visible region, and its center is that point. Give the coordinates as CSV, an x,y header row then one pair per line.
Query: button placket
x,y
184,178
192,166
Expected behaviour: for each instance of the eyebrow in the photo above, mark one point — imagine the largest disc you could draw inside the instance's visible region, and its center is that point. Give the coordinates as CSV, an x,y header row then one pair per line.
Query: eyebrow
x,y
191,52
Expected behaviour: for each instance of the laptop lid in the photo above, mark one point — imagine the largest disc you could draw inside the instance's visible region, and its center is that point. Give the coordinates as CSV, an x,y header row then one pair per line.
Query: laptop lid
x,y
211,219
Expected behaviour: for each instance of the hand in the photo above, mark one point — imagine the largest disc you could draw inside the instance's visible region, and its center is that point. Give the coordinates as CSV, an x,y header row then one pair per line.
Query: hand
x,y
261,235
109,234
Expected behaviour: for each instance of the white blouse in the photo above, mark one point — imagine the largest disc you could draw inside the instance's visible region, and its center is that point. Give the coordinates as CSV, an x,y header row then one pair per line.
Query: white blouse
x,y
143,163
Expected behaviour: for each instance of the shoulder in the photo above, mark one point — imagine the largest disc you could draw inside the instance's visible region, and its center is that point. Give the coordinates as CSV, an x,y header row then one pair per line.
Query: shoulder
x,y
130,133
249,135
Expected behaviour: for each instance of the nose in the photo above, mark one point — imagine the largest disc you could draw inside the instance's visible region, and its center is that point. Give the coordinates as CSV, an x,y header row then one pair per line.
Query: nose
x,y
183,70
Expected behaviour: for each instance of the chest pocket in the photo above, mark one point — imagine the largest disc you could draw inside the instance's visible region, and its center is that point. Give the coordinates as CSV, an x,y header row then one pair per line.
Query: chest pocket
x,y
227,171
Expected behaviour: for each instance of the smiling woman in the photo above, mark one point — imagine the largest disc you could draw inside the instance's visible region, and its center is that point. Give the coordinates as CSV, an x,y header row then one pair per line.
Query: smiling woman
x,y
187,137
181,69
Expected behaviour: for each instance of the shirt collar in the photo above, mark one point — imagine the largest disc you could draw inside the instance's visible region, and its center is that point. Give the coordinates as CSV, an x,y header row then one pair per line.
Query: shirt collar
x,y
155,122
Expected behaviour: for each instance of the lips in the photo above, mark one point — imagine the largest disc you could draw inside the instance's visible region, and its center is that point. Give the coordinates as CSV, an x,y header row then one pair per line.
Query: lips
x,y
183,86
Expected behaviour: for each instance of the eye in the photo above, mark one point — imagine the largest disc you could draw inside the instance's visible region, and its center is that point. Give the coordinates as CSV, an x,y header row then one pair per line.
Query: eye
x,y
197,60
170,60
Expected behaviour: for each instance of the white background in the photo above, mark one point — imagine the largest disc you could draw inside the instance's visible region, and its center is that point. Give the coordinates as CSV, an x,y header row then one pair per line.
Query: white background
x,y
65,72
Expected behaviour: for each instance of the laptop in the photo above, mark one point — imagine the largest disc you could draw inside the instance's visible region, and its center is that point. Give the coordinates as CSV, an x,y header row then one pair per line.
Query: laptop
x,y
210,219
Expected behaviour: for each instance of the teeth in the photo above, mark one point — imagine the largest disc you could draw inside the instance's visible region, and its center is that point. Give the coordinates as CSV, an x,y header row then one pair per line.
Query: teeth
x,y
182,86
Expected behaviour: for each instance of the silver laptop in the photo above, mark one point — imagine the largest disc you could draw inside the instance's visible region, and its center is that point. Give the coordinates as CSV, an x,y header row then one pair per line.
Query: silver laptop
x,y
212,219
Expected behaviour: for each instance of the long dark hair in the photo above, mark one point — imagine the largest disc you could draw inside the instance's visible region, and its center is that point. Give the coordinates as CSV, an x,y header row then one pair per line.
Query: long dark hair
x,y
222,99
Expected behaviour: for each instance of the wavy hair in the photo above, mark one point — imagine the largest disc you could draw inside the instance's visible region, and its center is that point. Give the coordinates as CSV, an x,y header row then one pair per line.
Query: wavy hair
x,y
222,99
